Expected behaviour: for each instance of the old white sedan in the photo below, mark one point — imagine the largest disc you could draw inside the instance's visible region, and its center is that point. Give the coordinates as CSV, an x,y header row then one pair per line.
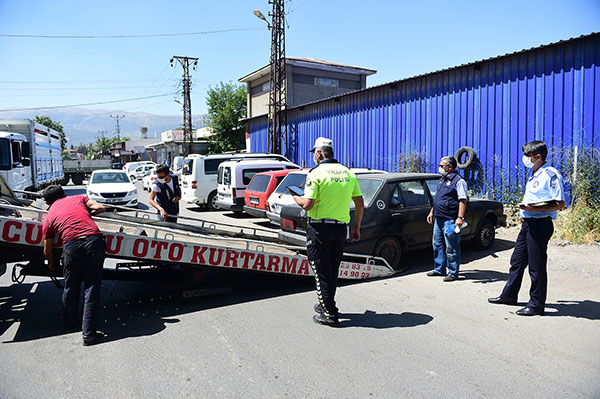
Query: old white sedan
x,y
112,187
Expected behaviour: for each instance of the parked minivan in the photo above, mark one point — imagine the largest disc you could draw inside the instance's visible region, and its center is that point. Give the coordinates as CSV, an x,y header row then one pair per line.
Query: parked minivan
x,y
234,176
199,175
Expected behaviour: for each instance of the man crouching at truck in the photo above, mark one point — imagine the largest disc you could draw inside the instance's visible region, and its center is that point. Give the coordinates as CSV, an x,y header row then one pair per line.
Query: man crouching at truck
x,y
83,256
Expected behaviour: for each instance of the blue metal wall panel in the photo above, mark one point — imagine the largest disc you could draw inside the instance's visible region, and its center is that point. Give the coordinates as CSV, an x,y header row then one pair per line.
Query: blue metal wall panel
x,y
550,93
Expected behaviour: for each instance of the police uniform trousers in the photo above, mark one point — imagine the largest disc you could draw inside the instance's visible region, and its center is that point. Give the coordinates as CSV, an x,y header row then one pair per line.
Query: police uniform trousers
x,y
83,261
530,250
324,247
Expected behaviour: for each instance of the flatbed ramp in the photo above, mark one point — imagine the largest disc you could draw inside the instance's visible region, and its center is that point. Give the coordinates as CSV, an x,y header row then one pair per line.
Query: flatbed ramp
x,y
148,243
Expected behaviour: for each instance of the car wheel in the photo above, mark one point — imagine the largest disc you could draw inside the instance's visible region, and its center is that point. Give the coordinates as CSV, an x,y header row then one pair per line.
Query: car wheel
x,y
212,201
389,248
484,238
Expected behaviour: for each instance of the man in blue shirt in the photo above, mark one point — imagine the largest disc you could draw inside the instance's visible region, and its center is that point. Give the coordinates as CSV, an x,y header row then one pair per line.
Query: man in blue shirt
x,y
544,195
446,215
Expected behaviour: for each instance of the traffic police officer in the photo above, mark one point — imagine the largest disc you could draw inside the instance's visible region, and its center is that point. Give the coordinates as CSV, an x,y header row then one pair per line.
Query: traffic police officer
x,y
543,197
327,192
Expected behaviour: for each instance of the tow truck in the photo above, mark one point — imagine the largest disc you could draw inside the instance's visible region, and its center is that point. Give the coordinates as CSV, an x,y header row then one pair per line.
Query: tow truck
x,y
146,248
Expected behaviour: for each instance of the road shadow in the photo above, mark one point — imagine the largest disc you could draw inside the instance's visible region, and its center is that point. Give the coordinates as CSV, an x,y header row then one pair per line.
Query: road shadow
x,y
371,319
134,309
483,276
580,309
420,261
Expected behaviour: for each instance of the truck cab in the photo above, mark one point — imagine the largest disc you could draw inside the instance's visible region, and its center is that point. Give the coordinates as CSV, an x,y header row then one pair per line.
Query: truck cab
x,y
15,160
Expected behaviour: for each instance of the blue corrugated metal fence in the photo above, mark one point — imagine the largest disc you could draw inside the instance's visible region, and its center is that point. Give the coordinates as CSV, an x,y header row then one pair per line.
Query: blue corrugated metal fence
x,y
550,93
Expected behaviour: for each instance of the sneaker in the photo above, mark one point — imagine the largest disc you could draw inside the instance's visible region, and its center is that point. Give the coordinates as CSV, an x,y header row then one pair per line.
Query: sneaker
x,y
331,321
435,274
93,339
450,278
318,308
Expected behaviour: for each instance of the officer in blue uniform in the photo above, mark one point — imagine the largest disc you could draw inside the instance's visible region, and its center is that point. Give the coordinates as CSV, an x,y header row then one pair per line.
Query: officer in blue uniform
x,y
448,213
165,194
544,195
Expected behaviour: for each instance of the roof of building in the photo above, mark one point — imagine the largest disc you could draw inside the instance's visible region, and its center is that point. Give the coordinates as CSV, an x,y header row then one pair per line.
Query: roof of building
x,y
310,63
440,71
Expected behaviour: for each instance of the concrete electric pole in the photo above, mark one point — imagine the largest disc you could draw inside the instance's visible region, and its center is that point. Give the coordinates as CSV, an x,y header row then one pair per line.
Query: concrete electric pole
x,y
187,101
117,117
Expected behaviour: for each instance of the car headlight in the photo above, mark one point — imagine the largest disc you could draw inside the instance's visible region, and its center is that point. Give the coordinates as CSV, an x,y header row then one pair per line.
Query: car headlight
x,y
134,192
91,193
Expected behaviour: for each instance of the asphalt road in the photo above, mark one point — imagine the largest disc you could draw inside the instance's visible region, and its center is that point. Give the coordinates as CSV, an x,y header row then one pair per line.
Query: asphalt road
x,y
401,337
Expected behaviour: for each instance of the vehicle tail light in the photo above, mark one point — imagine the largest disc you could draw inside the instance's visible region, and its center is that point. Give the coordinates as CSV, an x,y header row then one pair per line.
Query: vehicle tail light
x,y
287,224
233,193
194,184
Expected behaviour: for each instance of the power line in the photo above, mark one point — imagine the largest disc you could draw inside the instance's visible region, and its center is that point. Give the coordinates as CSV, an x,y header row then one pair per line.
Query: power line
x,y
85,104
130,36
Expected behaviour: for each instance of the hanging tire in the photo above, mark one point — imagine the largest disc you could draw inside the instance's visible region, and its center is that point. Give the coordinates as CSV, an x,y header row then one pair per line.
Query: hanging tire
x,y
212,201
390,249
470,159
486,233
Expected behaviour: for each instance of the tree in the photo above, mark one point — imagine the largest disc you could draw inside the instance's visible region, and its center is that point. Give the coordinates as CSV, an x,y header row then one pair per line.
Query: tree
x,y
102,146
226,106
48,122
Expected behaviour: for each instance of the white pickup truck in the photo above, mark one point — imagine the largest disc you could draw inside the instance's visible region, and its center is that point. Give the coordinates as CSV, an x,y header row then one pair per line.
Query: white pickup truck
x,y
30,155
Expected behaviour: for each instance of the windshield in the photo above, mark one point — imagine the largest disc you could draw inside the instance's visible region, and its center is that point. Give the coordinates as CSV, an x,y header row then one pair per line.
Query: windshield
x,y
292,179
368,187
4,154
110,177
259,183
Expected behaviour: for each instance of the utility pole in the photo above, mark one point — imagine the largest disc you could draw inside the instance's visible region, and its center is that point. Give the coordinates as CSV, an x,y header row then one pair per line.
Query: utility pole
x,y
187,101
277,121
117,117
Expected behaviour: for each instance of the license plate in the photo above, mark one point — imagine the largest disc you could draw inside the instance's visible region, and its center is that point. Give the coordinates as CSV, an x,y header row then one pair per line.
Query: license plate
x,y
254,200
113,200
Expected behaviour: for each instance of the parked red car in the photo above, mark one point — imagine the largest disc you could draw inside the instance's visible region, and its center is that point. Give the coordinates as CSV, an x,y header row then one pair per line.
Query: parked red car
x,y
259,189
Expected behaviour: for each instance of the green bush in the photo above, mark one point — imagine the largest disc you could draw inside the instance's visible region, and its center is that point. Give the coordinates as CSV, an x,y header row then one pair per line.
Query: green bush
x,y
580,167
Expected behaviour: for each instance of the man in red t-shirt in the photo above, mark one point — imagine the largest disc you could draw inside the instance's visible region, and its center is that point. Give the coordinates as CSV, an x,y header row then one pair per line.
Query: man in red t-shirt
x,y
83,255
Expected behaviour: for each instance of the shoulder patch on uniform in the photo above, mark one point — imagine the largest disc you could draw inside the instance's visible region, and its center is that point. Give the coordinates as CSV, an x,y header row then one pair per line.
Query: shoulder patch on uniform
x,y
551,172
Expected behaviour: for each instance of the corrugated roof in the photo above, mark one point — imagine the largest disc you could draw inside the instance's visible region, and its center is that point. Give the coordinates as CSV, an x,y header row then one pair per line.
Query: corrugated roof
x,y
299,60
439,71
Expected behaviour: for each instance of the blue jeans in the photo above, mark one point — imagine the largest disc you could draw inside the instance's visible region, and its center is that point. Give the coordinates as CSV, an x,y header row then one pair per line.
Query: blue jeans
x,y
83,260
446,247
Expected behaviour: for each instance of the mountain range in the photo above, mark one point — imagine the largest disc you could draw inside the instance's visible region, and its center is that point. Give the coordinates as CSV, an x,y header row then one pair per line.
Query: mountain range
x,y
83,125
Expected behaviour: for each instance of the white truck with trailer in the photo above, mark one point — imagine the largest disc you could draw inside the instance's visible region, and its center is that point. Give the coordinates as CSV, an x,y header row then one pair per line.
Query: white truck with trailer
x,y
30,155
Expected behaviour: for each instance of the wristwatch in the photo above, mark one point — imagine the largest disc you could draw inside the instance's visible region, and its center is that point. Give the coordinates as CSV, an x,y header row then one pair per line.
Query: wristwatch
x,y
461,218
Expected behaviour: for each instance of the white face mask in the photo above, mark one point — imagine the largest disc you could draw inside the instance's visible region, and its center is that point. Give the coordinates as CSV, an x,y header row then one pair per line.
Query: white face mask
x,y
161,180
527,162
442,171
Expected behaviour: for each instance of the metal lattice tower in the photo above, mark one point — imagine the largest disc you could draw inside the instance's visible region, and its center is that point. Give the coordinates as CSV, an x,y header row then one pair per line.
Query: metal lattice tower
x,y
187,102
277,128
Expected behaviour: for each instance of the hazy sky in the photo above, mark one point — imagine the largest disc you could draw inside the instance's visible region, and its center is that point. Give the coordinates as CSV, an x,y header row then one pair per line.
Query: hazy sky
x,y
397,38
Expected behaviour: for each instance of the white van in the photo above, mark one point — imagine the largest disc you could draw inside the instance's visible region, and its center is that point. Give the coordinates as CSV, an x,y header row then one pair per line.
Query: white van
x,y
234,177
199,175
129,167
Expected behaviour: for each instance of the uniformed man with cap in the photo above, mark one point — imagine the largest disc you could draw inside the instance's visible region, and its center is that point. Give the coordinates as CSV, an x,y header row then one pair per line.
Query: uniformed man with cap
x,y
328,190
544,195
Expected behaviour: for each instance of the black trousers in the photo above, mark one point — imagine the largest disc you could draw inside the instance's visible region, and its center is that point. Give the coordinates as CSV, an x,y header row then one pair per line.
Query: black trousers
x,y
324,247
530,250
83,260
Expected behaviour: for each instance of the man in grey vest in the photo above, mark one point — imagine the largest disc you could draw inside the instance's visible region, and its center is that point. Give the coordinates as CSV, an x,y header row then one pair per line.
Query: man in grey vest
x,y
447,216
